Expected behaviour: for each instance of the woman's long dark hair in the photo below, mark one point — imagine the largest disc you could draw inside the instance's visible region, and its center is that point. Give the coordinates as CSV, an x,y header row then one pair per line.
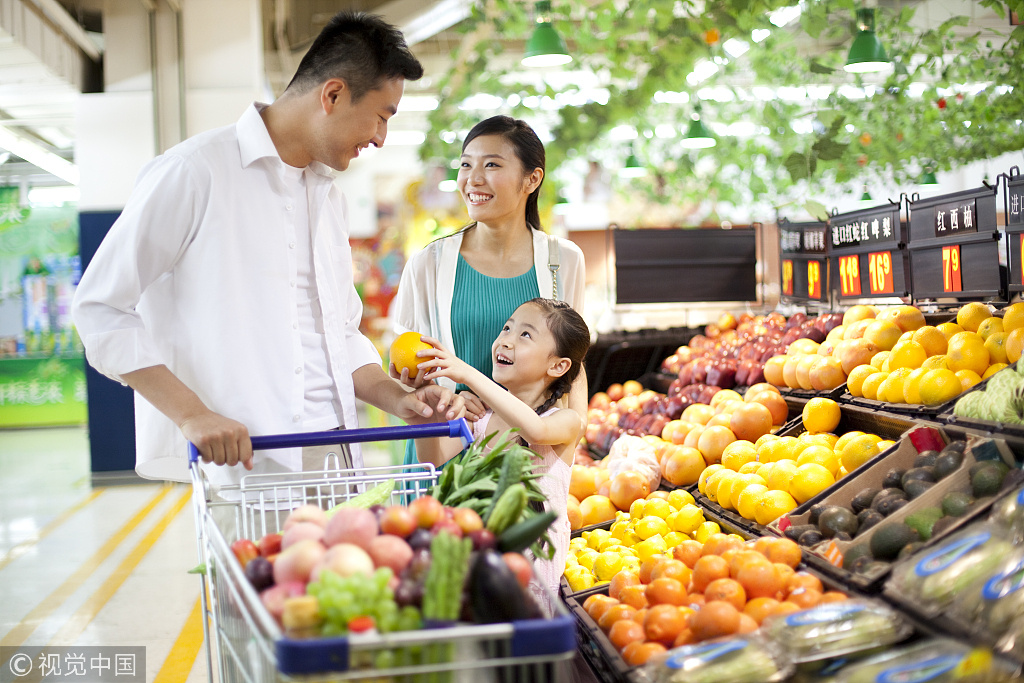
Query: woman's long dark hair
x,y
572,341
528,148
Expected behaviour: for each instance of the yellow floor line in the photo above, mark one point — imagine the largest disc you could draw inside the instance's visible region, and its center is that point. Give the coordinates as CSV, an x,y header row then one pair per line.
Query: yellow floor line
x,y
22,548
182,656
20,633
92,606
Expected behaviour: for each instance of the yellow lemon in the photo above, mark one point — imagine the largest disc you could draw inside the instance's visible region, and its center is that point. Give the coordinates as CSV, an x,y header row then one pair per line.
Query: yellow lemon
x,y
931,339
651,526
841,473
907,355
995,343
935,363
597,537
884,445
939,386
993,369
765,470
1015,345
636,509
578,543
750,467
827,439
607,565
705,475
879,358
781,475
820,455
586,558
744,481
679,498
990,326
763,439
821,415
967,352
657,507
674,538
857,377
705,530
968,378
648,548
846,438
891,388
723,494
737,454
688,519
870,386
949,329
579,578
970,316
911,386
746,505
773,504
809,480
711,486
859,451
1013,317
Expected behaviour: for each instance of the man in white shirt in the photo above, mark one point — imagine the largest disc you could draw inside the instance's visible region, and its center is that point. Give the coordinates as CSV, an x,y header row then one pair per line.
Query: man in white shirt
x,y
223,295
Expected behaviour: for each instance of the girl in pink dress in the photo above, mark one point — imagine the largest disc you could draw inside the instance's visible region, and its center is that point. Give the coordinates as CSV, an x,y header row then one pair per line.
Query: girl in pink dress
x,y
536,357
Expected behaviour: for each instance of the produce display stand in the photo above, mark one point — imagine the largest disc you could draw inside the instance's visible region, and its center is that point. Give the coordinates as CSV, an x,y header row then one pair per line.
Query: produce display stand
x,y
866,254
251,647
1013,212
803,267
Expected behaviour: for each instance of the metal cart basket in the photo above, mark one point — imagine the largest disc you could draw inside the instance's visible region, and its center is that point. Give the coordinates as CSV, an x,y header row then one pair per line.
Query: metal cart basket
x,y
249,646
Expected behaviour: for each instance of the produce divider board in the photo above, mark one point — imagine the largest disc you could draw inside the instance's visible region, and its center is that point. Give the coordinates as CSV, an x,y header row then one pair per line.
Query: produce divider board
x,y
1013,212
954,246
803,262
806,394
866,255
825,555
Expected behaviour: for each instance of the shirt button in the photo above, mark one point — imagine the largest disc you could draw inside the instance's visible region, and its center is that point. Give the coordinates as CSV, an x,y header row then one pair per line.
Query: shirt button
x,y
298,371
292,283
295,418
291,245
295,326
288,207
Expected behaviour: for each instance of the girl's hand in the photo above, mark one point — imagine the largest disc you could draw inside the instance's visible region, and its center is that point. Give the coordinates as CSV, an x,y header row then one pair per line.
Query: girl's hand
x,y
475,408
442,363
414,382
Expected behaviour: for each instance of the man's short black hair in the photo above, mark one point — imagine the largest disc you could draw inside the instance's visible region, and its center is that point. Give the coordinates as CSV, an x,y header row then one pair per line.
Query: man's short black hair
x,y
359,48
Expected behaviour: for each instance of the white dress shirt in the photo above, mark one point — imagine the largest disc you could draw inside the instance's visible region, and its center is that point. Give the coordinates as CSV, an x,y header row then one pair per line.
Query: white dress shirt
x,y
423,302
199,274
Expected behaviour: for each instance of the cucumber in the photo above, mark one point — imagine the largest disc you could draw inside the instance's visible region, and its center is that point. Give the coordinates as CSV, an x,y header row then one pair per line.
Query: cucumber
x,y
522,535
508,509
378,495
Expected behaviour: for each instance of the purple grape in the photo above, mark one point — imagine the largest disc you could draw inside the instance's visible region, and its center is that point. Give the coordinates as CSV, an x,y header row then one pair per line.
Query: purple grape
x,y
420,539
378,511
260,573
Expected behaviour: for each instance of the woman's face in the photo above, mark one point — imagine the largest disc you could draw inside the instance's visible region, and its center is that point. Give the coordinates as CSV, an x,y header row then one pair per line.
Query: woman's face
x,y
493,182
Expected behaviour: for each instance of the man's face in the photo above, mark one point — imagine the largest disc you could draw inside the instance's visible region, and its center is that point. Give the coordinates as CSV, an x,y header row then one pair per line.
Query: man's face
x,y
353,126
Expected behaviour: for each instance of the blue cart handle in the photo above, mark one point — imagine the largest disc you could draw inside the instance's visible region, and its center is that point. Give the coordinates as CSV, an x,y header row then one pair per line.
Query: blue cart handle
x,y
455,429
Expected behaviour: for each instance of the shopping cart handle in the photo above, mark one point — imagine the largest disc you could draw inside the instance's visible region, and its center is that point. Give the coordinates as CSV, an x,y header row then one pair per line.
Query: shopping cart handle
x,y
455,429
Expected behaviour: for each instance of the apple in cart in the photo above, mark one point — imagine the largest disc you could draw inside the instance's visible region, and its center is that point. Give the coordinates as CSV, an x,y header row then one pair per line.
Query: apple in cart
x,y
345,559
300,531
244,550
398,521
305,513
297,561
467,519
390,551
520,566
357,526
270,544
427,510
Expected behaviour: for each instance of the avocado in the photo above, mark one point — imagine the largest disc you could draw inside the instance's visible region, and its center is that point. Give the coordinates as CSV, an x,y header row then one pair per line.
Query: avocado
x,y
794,532
858,565
892,504
987,480
942,526
843,536
955,447
862,501
947,463
923,520
867,519
918,474
890,538
837,519
881,502
955,503
909,550
815,512
855,551
1013,479
982,464
916,487
810,538
926,459
893,478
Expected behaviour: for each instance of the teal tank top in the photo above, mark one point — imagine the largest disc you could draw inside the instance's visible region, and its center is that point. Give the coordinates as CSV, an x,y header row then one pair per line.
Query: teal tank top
x,y
480,307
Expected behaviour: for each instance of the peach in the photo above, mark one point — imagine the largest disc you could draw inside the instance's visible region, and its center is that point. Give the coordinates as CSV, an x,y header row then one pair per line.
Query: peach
x,y
859,352
357,526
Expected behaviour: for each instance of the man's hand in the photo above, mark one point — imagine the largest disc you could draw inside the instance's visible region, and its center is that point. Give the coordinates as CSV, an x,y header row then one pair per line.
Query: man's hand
x,y
415,382
431,403
220,440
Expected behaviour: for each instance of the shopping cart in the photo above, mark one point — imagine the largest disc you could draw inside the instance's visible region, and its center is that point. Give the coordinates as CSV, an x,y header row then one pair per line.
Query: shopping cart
x,y
249,646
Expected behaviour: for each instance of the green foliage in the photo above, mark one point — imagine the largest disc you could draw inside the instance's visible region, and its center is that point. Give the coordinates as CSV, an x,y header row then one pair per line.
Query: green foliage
x,y
946,102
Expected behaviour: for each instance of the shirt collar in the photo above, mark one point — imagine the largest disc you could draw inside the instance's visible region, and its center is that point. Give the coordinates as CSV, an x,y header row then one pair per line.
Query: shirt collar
x,y
254,141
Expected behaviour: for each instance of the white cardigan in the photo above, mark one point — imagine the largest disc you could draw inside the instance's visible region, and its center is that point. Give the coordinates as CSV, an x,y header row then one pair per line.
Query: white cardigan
x,y
424,300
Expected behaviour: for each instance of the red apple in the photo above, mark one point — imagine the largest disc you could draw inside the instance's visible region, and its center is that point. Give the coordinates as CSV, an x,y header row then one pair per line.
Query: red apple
x,y
467,519
398,521
520,566
449,525
244,550
427,511
269,545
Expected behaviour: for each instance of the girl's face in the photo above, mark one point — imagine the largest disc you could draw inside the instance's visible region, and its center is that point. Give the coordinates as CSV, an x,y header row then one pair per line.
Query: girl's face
x,y
525,350
492,180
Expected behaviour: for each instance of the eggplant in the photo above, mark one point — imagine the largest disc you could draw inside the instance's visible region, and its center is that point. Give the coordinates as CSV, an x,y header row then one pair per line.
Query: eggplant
x,y
495,594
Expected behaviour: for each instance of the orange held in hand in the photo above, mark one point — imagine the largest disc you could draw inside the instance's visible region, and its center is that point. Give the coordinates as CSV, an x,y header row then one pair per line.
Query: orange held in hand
x,y
403,352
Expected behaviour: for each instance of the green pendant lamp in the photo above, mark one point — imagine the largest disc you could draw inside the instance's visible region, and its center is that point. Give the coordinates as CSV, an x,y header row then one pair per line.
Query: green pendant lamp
x,y
633,167
928,178
450,182
697,135
545,47
866,197
866,54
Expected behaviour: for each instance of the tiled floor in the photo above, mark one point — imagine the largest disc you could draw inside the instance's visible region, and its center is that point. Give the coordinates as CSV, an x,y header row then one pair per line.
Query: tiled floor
x,y
104,566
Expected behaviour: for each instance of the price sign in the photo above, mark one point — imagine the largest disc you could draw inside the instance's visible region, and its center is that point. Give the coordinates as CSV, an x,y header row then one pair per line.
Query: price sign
x,y
951,281
1022,258
787,277
814,279
849,275
880,272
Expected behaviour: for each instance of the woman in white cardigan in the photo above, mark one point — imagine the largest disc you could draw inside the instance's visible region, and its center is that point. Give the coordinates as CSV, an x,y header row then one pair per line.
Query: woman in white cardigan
x,y
461,289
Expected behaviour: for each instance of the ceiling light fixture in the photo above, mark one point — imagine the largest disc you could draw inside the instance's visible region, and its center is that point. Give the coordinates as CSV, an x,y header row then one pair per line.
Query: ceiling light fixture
x,y
697,135
37,155
866,53
545,47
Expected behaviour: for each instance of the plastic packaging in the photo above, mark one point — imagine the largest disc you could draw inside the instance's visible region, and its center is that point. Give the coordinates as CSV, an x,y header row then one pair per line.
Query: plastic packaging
x,y
936,660
1009,513
836,629
992,604
931,579
748,658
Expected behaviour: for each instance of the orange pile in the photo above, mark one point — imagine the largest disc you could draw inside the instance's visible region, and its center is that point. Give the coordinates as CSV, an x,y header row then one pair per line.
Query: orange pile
x,y
720,588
